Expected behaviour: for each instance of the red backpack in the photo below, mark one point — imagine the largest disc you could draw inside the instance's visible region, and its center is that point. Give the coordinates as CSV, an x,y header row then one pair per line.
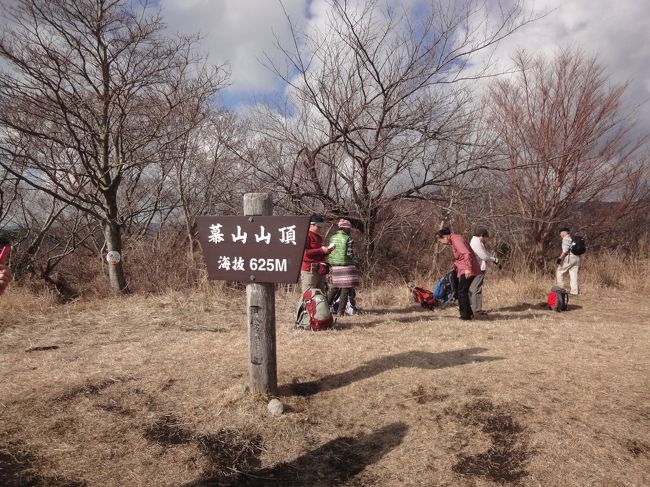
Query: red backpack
x,y
424,297
316,307
558,299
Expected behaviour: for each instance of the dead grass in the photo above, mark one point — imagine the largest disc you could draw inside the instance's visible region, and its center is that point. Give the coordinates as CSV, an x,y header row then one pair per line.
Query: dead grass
x,y
151,391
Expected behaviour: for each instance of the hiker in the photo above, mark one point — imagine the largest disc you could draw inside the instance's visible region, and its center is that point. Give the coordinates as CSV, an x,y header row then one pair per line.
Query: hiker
x,y
314,267
467,268
485,258
5,277
345,276
567,262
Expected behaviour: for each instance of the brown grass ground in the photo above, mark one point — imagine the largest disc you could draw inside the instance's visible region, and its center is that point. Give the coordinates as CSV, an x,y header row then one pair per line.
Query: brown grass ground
x,y
148,391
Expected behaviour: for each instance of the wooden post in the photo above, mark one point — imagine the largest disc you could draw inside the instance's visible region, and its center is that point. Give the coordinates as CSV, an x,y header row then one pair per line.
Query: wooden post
x,y
260,306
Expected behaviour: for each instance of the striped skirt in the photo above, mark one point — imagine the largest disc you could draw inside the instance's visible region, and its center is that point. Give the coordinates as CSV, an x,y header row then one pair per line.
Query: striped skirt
x,y
345,276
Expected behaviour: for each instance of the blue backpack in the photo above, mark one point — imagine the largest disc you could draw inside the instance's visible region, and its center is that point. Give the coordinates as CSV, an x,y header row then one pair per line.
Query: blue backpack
x,y
446,289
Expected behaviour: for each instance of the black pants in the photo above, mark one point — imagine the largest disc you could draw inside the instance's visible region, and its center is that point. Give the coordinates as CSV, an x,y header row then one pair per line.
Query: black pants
x,y
463,297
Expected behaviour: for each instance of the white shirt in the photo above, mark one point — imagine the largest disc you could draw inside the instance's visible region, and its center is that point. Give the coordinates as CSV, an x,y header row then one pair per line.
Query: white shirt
x,y
482,254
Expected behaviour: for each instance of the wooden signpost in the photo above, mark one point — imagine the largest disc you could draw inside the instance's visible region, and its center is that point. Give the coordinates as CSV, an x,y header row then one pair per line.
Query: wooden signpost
x,y
260,250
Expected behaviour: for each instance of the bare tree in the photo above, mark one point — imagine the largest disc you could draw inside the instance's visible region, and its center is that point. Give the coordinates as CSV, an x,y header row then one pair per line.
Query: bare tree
x,y
47,231
568,144
8,194
207,174
379,107
93,97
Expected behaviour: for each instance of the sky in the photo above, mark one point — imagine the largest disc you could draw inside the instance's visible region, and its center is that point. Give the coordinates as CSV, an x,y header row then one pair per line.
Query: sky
x,y
241,32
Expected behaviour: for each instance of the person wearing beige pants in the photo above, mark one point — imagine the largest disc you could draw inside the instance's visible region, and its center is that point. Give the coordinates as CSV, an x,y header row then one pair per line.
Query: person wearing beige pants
x,y
567,262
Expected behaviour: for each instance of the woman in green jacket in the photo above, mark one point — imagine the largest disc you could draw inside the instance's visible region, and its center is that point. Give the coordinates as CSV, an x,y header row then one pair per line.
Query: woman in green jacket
x,y
345,275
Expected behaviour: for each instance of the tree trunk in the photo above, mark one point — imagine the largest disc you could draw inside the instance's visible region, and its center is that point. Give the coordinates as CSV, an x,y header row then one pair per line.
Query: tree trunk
x,y
113,237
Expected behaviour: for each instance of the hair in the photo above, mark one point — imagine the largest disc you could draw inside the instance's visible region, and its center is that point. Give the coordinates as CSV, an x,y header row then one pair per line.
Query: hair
x,y
481,232
443,232
565,229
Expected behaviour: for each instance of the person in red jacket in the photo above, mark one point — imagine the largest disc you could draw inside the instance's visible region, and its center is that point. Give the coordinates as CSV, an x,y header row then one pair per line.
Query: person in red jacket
x,y
467,267
314,259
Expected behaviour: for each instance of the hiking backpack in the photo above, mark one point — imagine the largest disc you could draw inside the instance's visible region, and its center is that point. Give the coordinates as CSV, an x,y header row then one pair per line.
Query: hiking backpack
x,y
558,299
446,289
578,246
314,312
424,297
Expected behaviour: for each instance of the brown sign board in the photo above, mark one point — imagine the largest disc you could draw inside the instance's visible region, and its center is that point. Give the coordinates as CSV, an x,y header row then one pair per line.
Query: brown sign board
x,y
253,248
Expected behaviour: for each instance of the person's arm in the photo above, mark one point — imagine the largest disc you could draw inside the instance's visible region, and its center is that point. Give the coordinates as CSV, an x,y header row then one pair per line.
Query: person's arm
x,y
317,252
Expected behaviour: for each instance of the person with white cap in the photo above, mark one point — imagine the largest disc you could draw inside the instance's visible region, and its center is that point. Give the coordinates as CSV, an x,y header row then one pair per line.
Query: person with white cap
x,y
345,275
314,267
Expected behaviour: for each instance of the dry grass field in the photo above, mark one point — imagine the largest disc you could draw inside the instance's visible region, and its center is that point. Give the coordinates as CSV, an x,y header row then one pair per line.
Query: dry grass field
x,y
151,391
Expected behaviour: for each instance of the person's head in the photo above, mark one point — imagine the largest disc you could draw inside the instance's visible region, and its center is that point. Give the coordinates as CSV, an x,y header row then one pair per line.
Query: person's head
x,y
345,225
564,231
443,236
482,234
316,223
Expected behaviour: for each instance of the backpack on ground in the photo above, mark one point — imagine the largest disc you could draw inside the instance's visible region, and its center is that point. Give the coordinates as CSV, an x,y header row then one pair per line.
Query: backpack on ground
x,y
558,299
424,297
446,289
314,313
578,246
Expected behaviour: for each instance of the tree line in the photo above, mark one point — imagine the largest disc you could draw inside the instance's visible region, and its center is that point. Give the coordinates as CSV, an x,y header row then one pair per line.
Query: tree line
x,y
112,138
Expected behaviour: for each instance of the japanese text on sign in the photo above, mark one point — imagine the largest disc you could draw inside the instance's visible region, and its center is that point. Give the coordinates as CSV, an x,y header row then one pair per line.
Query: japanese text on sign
x,y
287,235
253,248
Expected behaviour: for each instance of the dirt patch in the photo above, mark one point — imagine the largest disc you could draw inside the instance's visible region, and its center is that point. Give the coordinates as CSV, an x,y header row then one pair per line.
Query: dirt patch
x,y
422,395
637,447
168,385
206,330
17,470
113,407
230,451
506,457
333,463
42,349
168,430
91,388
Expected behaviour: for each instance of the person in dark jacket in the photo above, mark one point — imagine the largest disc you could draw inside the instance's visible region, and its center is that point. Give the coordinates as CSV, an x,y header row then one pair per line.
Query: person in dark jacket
x,y
314,267
467,267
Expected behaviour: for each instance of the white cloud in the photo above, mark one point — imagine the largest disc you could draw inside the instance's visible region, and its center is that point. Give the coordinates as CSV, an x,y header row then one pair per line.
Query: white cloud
x,y
240,31
615,32
237,32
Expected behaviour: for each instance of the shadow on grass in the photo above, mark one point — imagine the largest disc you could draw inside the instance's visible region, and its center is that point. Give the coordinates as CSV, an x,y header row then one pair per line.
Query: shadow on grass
x,y
415,319
346,324
413,359
523,307
502,317
333,463
405,309
533,307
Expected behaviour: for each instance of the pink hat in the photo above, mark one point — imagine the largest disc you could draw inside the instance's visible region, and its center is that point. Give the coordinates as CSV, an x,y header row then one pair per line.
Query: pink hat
x,y
343,223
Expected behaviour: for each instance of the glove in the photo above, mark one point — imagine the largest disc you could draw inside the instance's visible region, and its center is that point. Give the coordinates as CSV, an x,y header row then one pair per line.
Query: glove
x,y
558,261
497,262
